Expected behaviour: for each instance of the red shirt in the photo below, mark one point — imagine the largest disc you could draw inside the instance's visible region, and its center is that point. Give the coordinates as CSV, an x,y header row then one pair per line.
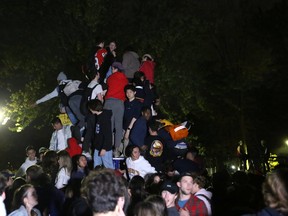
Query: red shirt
x,y
195,206
147,68
116,83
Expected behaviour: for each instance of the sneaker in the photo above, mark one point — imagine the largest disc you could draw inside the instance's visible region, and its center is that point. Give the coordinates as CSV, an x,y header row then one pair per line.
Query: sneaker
x,y
87,154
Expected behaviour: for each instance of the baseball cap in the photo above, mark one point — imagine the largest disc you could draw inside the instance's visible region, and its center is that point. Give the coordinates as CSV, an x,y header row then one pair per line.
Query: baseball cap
x,y
7,173
170,187
118,65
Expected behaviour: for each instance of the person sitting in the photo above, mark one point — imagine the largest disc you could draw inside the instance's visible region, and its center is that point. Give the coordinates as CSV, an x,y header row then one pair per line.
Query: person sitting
x,y
137,164
80,167
25,198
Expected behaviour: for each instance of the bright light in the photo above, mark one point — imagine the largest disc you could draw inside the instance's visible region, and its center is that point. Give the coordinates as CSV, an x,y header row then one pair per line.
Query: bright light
x,y
5,120
1,115
233,167
286,142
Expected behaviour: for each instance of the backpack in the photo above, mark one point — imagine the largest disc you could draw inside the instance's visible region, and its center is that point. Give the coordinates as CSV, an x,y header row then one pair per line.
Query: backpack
x,y
85,98
71,87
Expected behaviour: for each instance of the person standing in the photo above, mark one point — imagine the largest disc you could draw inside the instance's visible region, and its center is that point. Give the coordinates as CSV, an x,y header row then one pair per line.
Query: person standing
x,y
99,130
60,136
187,203
114,100
169,192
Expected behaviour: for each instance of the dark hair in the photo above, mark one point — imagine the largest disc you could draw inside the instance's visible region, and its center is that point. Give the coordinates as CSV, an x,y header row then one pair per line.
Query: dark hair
x,y
103,189
95,105
2,184
145,109
56,120
129,150
152,206
130,87
30,147
154,125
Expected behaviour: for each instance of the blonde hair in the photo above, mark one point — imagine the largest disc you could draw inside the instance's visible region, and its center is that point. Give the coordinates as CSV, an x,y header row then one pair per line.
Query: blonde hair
x,y
275,190
65,160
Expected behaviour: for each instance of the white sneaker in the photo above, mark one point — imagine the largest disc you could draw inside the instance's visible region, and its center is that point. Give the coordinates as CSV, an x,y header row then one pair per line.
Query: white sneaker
x,y
87,154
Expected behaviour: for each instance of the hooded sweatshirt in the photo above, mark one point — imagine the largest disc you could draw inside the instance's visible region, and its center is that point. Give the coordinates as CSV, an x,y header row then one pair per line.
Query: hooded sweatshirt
x,y
205,196
141,165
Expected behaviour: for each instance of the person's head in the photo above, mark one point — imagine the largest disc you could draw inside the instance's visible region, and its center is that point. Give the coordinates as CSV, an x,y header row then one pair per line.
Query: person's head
x,y
136,187
146,112
139,78
133,151
275,190
153,205
185,183
199,182
117,66
64,160
31,153
3,184
104,191
169,192
49,158
130,91
8,175
41,152
112,46
153,127
95,106
61,76
147,57
94,74
81,161
25,195
33,172
57,124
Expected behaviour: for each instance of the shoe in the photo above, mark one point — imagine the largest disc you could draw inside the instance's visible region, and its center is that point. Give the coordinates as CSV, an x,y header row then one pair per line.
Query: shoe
x,y
87,154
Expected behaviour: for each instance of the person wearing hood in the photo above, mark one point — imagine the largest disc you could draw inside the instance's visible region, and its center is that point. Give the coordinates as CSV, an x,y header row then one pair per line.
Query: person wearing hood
x,y
147,67
130,62
30,160
200,192
70,95
137,164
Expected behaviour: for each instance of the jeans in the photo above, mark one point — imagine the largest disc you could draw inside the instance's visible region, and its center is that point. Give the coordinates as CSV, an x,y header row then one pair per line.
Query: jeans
x,y
106,160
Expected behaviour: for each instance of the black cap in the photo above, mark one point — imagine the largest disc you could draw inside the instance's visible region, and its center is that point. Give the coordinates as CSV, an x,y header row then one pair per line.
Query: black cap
x,y
170,186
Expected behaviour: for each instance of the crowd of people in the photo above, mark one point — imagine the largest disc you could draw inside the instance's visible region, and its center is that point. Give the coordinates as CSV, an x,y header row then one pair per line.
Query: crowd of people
x,y
118,156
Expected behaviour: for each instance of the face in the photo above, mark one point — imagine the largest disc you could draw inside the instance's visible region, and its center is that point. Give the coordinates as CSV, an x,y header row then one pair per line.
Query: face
x,y
147,114
112,46
82,162
135,153
185,185
169,198
31,154
57,126
130,94
31,198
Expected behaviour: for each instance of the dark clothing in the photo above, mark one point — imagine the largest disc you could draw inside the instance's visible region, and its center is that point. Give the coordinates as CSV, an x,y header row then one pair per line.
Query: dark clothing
x,y
132,110
139,132
172,211
99,130
156,152
185,165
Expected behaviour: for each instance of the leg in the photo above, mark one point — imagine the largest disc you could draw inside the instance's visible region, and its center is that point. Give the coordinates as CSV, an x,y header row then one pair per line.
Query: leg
x,y
74,104
97,159
108,160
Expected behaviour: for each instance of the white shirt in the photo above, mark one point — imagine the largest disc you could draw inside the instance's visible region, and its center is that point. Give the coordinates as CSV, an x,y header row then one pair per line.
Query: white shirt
x,y
97,90
141,165
62,178
2,207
